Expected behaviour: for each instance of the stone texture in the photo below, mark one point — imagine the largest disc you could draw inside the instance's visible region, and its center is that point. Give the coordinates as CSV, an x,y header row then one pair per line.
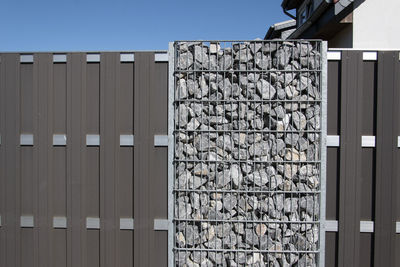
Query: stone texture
x,y
247,135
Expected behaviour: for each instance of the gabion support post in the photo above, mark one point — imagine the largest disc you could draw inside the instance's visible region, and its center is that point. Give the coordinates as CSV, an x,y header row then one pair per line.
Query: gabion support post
x,y
171,146
324,125
247,135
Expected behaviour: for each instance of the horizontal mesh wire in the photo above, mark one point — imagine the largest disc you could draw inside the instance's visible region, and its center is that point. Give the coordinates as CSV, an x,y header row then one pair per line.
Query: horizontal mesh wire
x,y
247,151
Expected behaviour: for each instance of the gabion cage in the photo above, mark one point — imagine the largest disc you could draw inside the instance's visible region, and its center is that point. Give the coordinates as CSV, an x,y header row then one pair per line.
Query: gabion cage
x,y
247,153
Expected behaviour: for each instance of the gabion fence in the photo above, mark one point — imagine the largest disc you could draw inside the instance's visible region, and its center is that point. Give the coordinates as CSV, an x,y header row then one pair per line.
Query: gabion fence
x,y
248,153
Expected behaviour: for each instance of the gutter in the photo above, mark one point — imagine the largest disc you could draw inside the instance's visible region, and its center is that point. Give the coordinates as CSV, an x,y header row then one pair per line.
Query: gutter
x,y
288,14
316,14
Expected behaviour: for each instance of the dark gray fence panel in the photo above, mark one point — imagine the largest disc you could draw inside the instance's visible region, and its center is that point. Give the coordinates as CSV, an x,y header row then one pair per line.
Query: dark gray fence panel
x,y
73,97
386,167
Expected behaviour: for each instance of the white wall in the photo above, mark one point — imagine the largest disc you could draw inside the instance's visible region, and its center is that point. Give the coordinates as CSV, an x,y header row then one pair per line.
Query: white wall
x,y
376,25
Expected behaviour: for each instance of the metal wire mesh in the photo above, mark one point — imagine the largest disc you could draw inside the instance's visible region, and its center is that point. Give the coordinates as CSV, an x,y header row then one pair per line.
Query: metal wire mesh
x,y
247,158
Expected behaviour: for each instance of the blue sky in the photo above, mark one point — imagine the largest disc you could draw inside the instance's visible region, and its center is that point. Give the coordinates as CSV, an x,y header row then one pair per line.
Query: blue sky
x,y
88,25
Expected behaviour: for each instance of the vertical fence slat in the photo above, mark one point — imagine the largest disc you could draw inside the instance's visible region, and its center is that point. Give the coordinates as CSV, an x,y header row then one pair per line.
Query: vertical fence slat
x,y
76,154
58,169
125,177
386,154
43,74
92,175
28,164
350,158
109,218
144,73
158,157
10,142
332,176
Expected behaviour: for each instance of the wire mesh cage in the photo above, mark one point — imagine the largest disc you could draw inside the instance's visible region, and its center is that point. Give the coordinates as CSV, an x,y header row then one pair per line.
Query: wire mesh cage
x,y
247,153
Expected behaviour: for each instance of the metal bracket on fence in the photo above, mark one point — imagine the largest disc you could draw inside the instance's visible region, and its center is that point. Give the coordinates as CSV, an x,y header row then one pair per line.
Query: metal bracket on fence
x,y
92,140
92,223
60,222
126,140
398,141
127,57
126,224
366,226
333,140
26,58
57,58
0,222
27,221
331,225
370,56
161,224
161,140
367,141
26,139
161,57
93,58
59,139
397,227
334,55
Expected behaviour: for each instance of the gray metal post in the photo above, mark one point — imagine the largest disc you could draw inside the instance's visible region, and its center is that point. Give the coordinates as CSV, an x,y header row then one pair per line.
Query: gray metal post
x,y
324,110
171,146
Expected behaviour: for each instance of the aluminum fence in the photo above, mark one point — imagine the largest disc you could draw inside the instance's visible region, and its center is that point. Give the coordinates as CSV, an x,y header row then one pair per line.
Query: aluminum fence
x,y
248,160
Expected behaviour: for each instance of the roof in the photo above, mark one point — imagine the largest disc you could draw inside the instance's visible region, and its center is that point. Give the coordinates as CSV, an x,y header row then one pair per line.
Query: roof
x,y
291,4
281,28
324,20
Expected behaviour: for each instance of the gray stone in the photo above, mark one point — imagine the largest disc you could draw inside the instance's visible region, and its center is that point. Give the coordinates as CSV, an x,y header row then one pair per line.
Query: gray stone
x,y
278,112
259,149
181,92
181,115
282,57
265,89
201,57
263,61
251,237
291,205
202,89
244,55
230,202
291,139
183,209
299,120
193,124
185,61
225,62
259,177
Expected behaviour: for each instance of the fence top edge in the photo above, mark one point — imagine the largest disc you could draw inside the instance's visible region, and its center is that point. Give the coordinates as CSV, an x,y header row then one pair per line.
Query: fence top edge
x,y
87,52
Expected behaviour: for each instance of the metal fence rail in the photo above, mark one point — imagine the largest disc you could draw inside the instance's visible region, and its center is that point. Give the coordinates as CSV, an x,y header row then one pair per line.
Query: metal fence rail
x,y
248,152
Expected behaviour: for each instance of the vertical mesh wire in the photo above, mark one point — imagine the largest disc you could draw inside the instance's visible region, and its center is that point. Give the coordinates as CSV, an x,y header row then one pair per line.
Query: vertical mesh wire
x,y
247,158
